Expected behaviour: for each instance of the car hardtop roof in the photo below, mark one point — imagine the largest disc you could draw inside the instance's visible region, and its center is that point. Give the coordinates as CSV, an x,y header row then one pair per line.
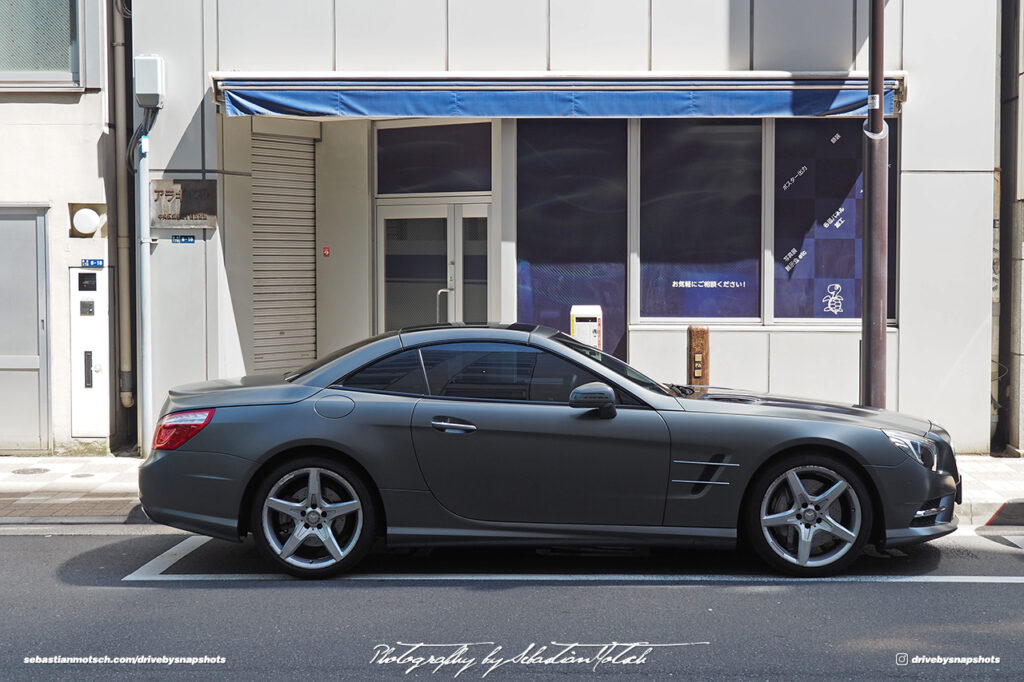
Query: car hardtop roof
x,y
467,329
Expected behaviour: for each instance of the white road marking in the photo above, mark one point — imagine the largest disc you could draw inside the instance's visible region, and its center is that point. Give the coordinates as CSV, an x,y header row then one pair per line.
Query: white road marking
x,y
153,571
155,568
1016,539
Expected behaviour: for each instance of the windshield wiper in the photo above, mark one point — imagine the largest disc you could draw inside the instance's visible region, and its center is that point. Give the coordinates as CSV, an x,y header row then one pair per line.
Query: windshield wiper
x,y
681,390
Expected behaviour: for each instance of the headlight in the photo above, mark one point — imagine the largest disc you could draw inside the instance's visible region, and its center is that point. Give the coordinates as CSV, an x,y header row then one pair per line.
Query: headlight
x,y
921,449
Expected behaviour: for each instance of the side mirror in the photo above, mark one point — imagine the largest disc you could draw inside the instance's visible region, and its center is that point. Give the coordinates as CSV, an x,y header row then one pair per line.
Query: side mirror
x,y
595,395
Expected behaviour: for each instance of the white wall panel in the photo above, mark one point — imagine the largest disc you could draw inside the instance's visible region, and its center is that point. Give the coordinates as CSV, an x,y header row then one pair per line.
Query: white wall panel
x,y
234,307
893,56
599,35
945,289
404,35
803,35
661,354
738,360
825,365
949,50
821,365
174,30
274,35
343,224
500,35
691,35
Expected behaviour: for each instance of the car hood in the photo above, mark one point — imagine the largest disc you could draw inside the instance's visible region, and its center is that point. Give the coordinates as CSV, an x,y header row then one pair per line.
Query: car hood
x,y
254,389
714,399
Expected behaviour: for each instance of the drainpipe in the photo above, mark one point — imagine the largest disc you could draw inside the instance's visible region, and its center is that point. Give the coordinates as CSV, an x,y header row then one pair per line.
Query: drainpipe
x,y
874,280
126,379
145,301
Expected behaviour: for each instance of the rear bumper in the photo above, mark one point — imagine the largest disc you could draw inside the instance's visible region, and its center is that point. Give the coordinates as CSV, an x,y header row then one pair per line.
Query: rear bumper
x,y
199,492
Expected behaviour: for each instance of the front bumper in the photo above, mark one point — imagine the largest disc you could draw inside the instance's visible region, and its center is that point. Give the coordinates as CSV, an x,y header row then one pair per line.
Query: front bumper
x,y
918,504
199,492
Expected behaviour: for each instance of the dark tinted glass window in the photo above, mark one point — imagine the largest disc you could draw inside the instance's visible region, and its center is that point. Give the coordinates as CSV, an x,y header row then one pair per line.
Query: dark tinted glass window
x,y
501,372
819,217
700,218
450,158
399,373
571,222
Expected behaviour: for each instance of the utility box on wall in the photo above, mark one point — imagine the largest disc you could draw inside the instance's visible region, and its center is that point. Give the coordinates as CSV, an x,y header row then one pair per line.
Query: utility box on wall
x,y
586,325
90,351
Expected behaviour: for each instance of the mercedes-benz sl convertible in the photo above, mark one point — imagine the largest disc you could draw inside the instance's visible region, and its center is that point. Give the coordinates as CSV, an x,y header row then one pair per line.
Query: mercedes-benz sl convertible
x,y
520,435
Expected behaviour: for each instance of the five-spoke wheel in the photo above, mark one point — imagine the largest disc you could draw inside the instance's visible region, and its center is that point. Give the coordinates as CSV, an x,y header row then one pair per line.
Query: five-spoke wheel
x,y
313,517
809,515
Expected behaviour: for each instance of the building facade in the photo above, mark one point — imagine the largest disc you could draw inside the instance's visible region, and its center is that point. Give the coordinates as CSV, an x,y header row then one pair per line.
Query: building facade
x,y
679,163
58,375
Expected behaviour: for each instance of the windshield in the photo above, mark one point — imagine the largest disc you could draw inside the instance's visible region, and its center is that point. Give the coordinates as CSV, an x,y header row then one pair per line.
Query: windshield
x,y
613,363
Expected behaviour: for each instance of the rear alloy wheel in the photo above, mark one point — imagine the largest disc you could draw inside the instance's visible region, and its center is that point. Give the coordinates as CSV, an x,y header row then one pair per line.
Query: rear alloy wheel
x,y
809,516
313,518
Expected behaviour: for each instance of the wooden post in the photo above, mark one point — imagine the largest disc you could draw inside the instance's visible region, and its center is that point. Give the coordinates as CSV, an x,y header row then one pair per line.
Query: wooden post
x,y
699,358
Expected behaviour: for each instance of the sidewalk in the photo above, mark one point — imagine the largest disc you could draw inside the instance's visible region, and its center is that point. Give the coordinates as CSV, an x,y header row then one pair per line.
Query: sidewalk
x,y
56,490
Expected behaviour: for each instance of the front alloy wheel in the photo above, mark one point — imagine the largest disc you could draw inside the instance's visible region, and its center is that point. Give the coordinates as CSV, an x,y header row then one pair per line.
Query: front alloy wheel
x,y
313,518
809,516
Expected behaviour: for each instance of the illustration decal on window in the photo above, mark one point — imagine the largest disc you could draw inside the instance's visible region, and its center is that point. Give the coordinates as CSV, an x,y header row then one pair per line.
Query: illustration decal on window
x,y
819,219
833,300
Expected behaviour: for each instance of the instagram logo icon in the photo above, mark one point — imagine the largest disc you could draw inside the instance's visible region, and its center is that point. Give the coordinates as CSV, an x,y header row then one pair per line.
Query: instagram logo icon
x,y
901,659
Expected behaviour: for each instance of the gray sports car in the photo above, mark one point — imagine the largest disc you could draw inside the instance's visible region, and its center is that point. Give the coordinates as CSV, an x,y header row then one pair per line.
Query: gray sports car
x,y
519,434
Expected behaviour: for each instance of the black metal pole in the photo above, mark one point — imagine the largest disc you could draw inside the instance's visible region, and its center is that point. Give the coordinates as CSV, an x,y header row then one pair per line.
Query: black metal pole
x,y
874,287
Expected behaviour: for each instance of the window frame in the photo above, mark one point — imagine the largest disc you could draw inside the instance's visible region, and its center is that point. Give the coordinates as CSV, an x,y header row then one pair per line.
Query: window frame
x,y
767,319
88,20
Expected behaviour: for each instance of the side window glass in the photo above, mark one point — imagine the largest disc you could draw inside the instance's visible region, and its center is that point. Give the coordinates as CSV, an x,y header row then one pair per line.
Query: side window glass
x,y
399,373
554,379
501,371
480,370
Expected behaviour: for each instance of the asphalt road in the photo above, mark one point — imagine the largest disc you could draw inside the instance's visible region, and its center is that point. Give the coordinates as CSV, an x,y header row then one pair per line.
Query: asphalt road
x,y
65,594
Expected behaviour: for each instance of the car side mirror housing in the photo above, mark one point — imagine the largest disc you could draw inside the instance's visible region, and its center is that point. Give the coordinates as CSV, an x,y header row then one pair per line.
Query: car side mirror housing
x,y
594,396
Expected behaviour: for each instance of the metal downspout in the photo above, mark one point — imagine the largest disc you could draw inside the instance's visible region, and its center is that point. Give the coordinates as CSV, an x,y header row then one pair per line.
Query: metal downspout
x,y
126,378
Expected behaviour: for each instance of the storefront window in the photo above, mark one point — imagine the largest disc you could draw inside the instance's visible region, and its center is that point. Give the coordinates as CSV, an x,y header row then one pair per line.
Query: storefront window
x,y
571,222
819,218
700,218
444,159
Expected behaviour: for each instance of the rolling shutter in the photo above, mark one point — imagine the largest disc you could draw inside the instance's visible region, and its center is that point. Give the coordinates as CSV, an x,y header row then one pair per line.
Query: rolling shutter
x,y
283,252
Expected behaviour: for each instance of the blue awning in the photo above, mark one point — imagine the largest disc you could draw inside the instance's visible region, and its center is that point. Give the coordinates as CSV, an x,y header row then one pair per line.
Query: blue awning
x,y
554,98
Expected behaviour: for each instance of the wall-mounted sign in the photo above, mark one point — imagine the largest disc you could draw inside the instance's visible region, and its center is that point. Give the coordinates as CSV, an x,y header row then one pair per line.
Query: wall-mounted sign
x,y
327,252
92,262
183,239
183,203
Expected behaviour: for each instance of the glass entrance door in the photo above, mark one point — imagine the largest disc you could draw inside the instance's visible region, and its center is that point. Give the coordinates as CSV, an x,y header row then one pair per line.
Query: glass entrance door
x,y
431,264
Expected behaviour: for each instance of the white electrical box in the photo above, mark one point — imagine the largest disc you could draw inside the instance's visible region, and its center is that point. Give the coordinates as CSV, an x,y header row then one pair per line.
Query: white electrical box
x,y
149,81
586,324
90,352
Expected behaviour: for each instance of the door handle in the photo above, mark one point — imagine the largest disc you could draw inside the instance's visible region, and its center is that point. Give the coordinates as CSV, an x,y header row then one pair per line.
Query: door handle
x,y
439,292
448,426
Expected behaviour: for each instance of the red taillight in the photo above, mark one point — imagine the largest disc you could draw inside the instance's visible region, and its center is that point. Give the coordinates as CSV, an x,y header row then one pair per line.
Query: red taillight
x,y
174,429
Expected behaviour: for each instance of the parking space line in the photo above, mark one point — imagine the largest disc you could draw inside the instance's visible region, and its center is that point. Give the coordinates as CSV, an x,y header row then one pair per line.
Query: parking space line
x,y
153,571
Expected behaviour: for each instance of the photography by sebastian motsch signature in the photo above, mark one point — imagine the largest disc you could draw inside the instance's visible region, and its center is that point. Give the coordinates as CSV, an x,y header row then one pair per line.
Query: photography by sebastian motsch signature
x,y
459,657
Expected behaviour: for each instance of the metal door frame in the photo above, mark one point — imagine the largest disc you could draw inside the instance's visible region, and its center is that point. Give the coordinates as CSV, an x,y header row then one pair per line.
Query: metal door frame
x,y
453,210
38,211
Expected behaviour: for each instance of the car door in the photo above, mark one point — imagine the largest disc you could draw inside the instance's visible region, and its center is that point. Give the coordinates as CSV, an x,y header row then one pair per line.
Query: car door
x,y
497,441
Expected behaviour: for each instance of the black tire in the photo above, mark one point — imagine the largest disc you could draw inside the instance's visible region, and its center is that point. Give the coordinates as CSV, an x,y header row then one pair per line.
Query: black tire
x,y
791,533
294,530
